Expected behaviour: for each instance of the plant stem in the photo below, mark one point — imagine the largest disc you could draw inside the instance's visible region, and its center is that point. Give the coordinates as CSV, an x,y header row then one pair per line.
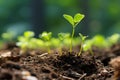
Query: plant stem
x,y
91,51
60,48
48,49
73,31
80,49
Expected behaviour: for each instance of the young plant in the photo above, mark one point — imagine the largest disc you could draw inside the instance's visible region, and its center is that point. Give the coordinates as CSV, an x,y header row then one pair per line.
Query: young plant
x,y
46,36
8,36
88,46
74,22
62,37
25,41
113,39
99,41
82,43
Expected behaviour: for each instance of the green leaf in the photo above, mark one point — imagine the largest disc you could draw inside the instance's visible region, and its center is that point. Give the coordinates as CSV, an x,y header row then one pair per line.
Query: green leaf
x,y
29,34
46,36
8,35
69,19
83,37
78,17
114,38
87,45
63,35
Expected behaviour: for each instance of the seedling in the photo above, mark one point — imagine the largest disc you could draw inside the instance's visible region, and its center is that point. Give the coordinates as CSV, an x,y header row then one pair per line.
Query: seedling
x,y
99,41
88,46
25,41
62,37
82,43
74,22
29,34
8,36
46,36
113,39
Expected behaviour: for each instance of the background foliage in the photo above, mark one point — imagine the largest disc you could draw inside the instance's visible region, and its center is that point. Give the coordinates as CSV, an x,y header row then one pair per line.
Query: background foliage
x,y
102,16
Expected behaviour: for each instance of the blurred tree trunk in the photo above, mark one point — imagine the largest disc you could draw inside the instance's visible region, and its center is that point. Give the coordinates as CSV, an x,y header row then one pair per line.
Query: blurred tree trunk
x,y
84,5
38,15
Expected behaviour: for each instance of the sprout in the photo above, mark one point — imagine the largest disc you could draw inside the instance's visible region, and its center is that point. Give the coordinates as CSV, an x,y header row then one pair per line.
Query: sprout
x,y
62,37
82,43
113,39
88,46
99,41
8,36
29,34
25,41
74,22
46,36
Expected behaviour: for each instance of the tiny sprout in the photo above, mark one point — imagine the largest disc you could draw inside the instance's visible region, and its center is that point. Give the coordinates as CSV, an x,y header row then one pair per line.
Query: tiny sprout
x,y
8,36
25,40
46,36
62,37
88,46
114,38
74,22
99,41
29,34
82,43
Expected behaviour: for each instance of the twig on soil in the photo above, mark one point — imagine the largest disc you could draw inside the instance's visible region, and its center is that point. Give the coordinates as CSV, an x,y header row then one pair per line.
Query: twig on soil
x,y
82,76
65,77
5,54
44,54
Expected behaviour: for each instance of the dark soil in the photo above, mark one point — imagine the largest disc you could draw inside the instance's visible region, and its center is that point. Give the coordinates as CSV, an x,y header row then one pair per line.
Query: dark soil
x,y
37,65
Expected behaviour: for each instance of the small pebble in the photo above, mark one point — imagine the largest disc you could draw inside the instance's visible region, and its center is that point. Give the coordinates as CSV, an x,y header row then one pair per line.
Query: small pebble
x,y
30,78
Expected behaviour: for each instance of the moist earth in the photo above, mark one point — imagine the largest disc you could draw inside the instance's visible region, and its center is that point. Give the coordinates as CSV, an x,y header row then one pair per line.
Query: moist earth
x,y
38,65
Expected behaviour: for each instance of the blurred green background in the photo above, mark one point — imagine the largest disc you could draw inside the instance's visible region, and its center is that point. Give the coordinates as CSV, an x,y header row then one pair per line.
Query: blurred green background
x,y
101,16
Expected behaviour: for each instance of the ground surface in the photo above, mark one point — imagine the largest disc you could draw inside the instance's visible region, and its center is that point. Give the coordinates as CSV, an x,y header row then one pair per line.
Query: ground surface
x,y
38,65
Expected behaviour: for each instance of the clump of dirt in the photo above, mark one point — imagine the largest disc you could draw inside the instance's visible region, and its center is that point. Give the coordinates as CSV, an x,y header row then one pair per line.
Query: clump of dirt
x,y
115,63
75,67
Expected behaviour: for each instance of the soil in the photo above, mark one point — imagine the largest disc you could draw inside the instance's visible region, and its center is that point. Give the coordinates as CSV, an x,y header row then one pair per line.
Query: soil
x,y
38,65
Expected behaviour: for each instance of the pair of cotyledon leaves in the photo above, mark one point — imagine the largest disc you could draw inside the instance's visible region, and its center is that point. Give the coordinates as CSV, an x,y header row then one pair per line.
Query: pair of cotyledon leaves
x,y
74,20
82,37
